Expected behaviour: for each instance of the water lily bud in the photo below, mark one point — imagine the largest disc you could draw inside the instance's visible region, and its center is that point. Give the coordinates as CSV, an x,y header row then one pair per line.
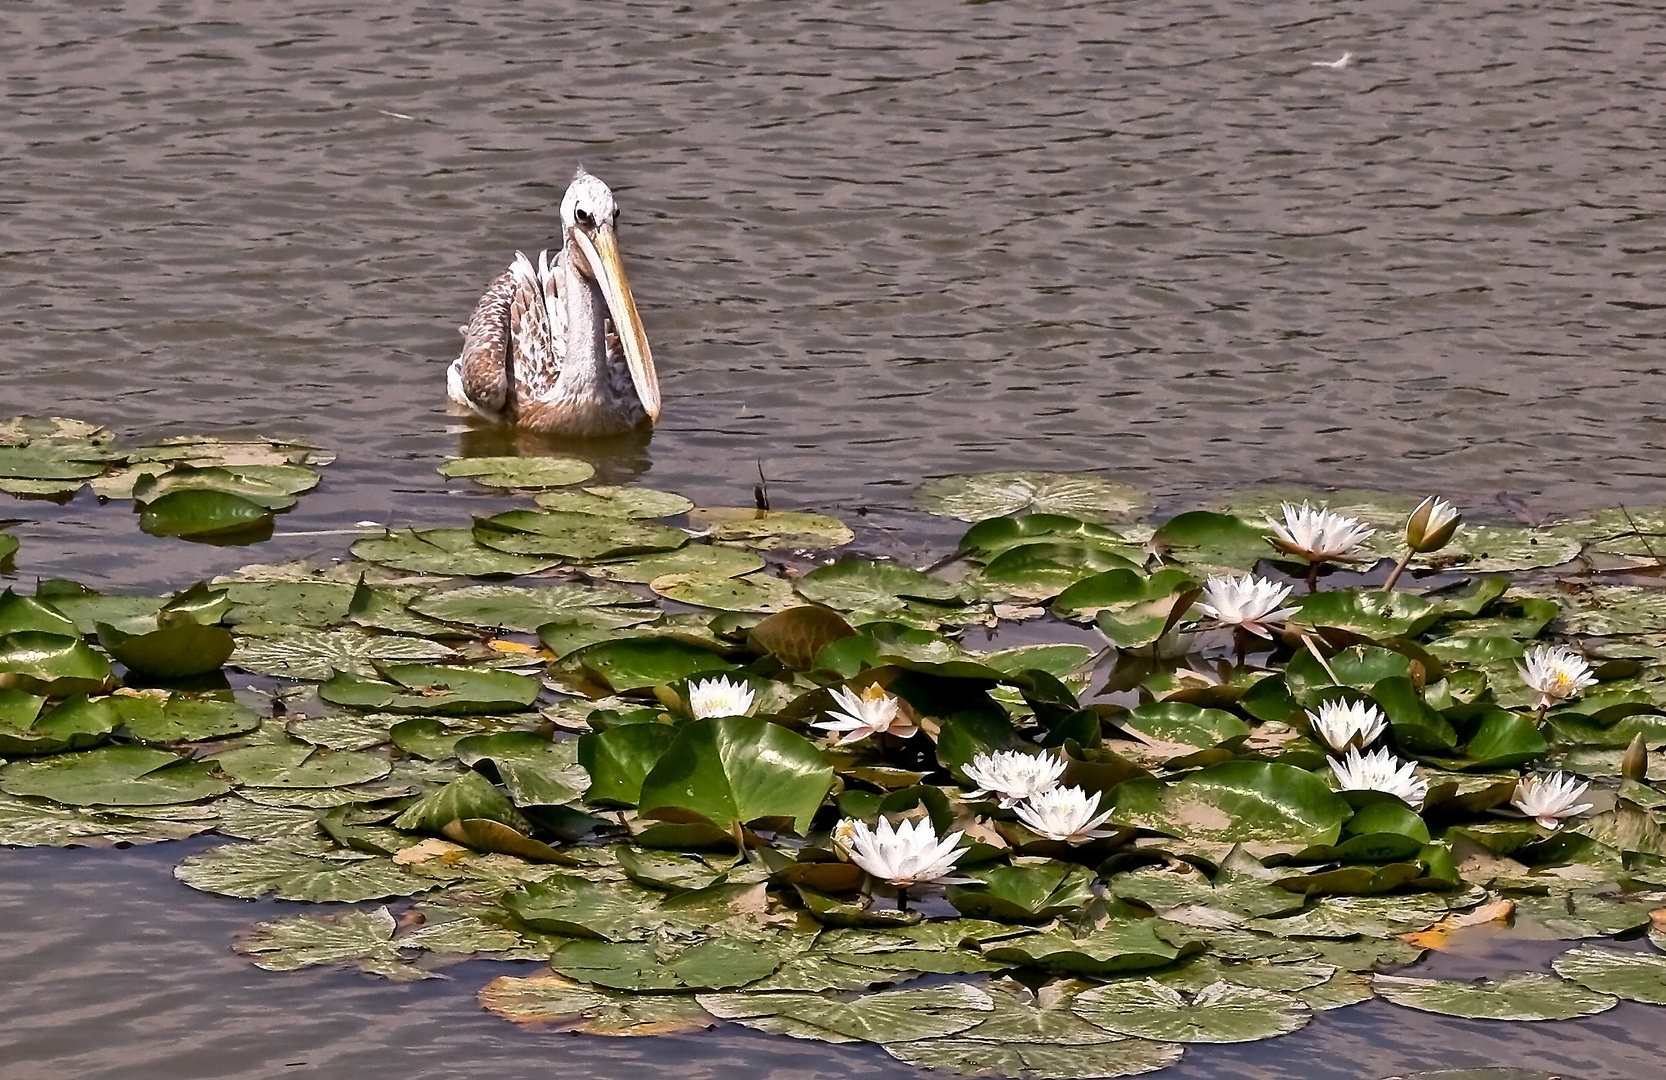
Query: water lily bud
x,y
1635,764
1432,525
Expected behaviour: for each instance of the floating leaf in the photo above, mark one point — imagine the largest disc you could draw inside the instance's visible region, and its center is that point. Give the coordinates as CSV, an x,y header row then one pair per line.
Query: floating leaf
x,y
318,654
566,1005
1118,945
560,534
113,776
1530,996
635,664
298,765
153,717
515,607
427,688
1256,803
51,664
445,551
1634,976
706,560
214,516
977,496
619,759
767,530
295,872
1222,1012
1029,890
362,939
631,502
735,770
796,635
520,472
40,823
759,592
178,649
891,1017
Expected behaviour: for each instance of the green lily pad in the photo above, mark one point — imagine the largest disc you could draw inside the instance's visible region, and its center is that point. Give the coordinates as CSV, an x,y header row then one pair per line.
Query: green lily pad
x,y
515,607
1029,890
705,560
162,718
758,592
113,776
52,664
1255,803
635,664
361,939
767,530
891,1017
560,1004
629,502
1222,1012
319,654
735,770
1041,570
20,613
1213,542
581,537
470,797
1119,945
179,648
534,770
795,636
1131,608
291,870
977,496
271,486
41,823
427,688
73,724
520,472
298,765
205,515
1373,614
1634,976
1178,722
619,759
1530,996
446,551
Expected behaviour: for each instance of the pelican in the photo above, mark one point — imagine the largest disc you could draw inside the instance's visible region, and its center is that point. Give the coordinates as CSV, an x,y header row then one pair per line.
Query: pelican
x,y
558,347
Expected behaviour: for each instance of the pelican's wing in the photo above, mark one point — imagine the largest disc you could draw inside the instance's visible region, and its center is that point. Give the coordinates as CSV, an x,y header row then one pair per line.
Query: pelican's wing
x,y
513,343
537,327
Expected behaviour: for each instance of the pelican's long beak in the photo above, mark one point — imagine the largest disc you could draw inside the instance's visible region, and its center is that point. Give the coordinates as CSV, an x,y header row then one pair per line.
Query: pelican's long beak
x,y
602,253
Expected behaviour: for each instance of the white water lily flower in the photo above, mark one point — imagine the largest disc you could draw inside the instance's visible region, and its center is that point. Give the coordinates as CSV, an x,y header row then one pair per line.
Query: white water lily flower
x,y
1557,673
1317,535
1379,771
1250,602
1548,799
903,856
1344,724
1013,775
872,712
1431,525
719,697
1064,813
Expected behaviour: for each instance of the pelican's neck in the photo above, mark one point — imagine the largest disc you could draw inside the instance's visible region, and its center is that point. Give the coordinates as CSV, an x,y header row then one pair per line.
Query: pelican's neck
x,y
584,375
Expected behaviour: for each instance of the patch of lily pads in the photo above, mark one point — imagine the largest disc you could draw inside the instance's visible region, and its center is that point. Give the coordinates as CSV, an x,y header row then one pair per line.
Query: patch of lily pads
x,y
708,766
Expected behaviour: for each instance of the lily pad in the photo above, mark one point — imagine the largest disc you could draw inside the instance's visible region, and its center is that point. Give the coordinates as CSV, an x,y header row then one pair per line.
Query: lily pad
x,y
515,607
631,502
705,560
767,530
1634,976
290,870
156,717
1256,803
890,1017
977,496
1222,1012
113,776
298,765
1530,996
757,592
520,472
205,515
446,551
736,770
361,939
581,537
319,654
565,1005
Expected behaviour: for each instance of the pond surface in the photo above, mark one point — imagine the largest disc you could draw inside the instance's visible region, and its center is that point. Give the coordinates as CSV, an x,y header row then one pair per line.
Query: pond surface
x,y
871,243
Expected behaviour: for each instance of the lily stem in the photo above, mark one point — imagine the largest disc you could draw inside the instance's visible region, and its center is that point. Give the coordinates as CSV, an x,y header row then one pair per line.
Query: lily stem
x,y
1317,655
1399,568
1313,577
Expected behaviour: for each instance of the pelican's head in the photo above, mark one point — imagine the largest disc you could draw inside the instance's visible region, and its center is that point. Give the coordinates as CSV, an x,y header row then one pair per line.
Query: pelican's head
x,y
588,215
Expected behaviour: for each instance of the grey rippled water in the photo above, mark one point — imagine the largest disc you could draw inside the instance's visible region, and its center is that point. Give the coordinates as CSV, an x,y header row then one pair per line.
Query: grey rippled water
x,y
872,242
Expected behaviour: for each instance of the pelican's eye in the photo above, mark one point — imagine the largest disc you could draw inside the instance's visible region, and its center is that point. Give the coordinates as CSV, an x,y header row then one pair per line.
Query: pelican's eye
x,y
585,218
